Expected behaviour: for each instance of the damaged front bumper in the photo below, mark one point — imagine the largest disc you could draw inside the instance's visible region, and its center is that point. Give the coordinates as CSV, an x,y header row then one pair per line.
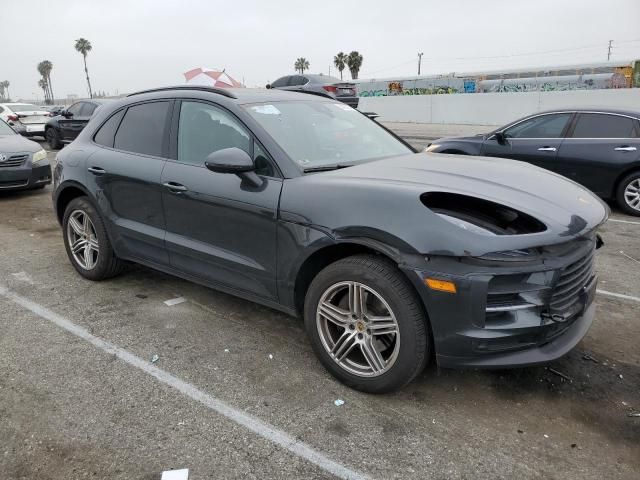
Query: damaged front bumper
x,y
510,312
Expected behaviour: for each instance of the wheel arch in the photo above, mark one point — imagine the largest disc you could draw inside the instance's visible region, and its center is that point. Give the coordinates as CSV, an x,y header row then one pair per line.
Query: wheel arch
x,y
621,176
66,194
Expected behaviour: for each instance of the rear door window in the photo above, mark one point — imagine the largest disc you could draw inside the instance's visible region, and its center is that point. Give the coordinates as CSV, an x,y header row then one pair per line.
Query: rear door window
x,y
297,80
544,126
599,125
281,82
143,129
75,109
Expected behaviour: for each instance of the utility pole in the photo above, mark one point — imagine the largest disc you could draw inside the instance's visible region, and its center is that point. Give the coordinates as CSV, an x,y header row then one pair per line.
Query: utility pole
x,y
609,51
419,61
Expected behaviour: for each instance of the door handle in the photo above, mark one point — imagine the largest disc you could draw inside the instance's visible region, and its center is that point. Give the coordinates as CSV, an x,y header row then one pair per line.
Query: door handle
x,y
625,149
175,187
97,170
547,149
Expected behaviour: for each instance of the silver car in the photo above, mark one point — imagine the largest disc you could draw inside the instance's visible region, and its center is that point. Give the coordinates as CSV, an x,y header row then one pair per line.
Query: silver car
x,y
319,85
27,119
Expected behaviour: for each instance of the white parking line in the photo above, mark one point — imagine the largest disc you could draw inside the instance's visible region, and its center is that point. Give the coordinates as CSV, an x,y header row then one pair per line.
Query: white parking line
x,y
250,422
619,295
623,221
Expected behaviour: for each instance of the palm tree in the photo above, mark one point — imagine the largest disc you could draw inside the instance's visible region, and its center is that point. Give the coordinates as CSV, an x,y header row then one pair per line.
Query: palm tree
x,y
340,61
6,88
301,65
42,83
354,62
84,46
45,67
2,90
42,69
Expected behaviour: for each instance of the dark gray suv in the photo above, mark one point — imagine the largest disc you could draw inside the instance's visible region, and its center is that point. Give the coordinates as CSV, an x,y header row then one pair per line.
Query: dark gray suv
x,y
304,204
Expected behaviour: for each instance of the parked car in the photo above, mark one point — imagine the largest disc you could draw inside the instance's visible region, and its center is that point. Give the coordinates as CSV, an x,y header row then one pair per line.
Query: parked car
x,y
319,85
28,119
65,127
307,206
599,149
23,162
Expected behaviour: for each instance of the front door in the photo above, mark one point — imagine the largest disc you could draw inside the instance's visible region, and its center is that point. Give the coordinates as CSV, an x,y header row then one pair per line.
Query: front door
x,y
127,172
535,140
70,121
598,148
219,228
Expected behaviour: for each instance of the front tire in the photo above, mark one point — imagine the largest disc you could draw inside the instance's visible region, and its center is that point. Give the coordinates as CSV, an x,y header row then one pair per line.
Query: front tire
x,y
86,241
53,139
366,324
628,194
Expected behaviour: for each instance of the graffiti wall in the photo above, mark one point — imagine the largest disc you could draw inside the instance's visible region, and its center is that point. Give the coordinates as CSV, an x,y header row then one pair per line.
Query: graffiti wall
x,y
612,77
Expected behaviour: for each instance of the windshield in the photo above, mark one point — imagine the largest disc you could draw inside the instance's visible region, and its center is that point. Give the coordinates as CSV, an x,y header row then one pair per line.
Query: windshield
x,y
6,129
321,134
25,107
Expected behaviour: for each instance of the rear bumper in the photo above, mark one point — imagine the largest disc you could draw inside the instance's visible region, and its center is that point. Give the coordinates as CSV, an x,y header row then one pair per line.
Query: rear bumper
x,y
25,178
351,101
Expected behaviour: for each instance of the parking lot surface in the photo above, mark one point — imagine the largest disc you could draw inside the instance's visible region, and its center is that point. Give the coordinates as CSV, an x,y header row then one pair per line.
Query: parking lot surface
x,y
236,392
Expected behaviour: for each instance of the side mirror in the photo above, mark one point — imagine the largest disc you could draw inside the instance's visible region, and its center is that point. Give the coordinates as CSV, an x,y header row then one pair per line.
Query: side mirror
x,y
500,137
233,160
66,114
268,86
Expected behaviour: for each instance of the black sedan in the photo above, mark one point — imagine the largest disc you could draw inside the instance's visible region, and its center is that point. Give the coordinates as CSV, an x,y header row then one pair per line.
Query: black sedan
x,y
23,163
598,149
303,204
67,124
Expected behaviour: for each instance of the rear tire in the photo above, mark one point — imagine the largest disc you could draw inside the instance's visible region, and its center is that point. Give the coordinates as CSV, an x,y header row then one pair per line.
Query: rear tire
x,y
53,139
388,303
628,194
87,243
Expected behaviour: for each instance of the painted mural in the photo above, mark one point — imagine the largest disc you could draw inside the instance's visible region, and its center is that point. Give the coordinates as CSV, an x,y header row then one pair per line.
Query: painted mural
x,y
585,78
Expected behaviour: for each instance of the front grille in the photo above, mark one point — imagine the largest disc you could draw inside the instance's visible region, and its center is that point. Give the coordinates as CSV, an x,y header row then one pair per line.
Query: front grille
x,y
571,282
14,161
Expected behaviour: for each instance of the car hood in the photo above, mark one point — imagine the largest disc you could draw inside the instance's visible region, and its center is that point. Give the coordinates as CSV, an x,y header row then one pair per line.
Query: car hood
x,y
384,196
16,143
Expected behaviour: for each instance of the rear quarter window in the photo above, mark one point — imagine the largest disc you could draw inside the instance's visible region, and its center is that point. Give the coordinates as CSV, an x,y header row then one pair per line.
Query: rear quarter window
x,y
107,132
142,129
595,125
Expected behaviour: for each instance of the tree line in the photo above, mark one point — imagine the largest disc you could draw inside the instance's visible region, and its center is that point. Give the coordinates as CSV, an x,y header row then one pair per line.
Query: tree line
x,y
353,61
45,67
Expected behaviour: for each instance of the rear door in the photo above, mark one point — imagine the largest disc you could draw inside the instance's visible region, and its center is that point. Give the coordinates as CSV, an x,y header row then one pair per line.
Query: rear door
x,y
219,228
127,172
599,147
535,140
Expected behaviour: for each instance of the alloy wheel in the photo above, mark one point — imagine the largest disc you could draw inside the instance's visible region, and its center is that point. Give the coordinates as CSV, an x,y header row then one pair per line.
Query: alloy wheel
x,y
358,329
82,239
632,194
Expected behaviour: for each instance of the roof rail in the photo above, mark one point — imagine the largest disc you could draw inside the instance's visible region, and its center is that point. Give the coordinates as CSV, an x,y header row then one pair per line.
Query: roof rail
x,y
220,91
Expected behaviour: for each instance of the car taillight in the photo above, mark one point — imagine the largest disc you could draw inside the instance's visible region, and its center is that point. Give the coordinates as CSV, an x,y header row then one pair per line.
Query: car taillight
x,y
12,118
330,88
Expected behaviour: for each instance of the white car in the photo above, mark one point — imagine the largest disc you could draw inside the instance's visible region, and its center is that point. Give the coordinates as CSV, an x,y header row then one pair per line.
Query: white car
x,y
28,120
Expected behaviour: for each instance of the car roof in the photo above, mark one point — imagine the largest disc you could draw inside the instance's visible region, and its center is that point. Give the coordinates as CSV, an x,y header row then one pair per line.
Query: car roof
x,y
239,96
619,111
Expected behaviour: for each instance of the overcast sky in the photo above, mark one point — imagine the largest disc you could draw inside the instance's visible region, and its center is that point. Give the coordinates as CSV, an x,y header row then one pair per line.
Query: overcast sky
x,y
145,43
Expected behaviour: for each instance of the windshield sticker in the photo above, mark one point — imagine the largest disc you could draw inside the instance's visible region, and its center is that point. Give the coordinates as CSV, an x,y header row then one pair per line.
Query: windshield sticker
x,y
344,107
266,109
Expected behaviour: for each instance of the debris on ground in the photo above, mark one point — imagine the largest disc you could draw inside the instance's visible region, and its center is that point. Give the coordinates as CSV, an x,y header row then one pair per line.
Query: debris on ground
x,y
141,295
174,301
590,358
270,357
560,374
339,402
633,414
621,377
226,350
520,431
182,474
155,358
574,445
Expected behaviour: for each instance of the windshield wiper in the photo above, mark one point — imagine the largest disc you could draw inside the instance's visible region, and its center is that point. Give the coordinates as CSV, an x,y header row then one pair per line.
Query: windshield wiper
x,y
326,168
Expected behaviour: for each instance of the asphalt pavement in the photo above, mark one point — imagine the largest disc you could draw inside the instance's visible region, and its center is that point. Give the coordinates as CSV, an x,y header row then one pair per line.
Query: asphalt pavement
x,y
105,380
